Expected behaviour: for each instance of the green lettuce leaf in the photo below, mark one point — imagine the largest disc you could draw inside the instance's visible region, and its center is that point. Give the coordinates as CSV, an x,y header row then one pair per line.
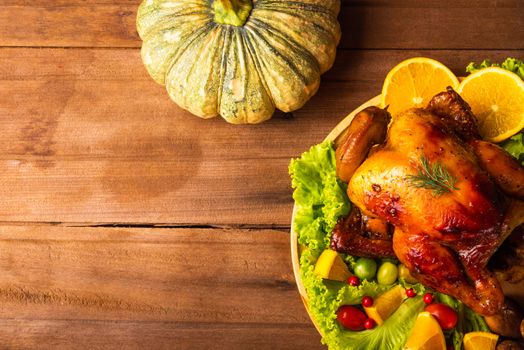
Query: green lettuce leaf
x,y
512,64
320,197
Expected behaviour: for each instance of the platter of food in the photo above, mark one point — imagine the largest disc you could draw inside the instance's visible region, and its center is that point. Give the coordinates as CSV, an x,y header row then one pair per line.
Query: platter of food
x,y
407,226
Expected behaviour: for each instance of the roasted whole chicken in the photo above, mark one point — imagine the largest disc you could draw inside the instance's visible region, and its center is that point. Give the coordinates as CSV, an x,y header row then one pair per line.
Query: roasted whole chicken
x,y
428,190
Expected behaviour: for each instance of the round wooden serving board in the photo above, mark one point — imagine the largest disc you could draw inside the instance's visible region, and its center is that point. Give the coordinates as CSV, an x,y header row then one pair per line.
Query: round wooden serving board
x,y
516,291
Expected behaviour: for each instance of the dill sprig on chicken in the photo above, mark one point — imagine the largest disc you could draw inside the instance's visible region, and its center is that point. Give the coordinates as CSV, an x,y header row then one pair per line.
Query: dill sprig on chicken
x,y
433,177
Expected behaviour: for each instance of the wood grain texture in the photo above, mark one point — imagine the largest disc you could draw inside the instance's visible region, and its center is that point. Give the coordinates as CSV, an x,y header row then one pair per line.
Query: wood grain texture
x,y
405,24
89,137
94,335
63,285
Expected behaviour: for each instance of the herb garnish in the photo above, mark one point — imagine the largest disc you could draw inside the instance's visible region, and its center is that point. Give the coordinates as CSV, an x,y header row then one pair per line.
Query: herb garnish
x,y
433,177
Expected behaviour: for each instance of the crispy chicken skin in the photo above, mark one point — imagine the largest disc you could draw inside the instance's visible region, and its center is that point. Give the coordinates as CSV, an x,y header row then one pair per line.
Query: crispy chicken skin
x,y
445,239
368,128
360,236
456,113
506,171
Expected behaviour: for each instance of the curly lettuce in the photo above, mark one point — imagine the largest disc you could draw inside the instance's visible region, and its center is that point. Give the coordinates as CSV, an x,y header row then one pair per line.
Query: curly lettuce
x,y
512,64
320,197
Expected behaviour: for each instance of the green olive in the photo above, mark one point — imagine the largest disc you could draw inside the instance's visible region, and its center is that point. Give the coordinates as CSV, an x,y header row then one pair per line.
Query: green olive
x,y
387,273
365,268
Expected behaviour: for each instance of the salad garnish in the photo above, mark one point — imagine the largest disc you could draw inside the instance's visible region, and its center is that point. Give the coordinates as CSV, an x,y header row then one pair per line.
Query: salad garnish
x,y
435,177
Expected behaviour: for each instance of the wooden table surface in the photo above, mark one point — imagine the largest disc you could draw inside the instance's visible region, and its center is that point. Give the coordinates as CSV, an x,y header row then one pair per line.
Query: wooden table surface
x,y
127,223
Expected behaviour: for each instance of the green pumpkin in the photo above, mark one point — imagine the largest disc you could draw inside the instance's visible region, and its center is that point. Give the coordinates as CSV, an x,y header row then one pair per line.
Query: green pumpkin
x,y
240,59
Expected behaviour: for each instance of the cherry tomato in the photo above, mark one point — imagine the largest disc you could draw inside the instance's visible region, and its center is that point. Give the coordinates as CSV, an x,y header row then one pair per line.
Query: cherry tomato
x,y
369,323
367,301
387,273
411,293
351,318
353,281
365,268
429,298
445,315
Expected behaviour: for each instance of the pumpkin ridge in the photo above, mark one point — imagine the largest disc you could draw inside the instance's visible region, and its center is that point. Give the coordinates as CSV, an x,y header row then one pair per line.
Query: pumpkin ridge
x,y
276,52
305,18
266,12
190,40
194,88
258,66
295,5
326,14
283,101
166,15
295,46
242,64
203,48
156,40
223,62
256,62
319,46
256,104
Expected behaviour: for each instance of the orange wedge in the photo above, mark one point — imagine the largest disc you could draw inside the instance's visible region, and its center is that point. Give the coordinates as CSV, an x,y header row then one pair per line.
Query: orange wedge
x,y
480,340
413,82
426,334
386,304
496,97
331,266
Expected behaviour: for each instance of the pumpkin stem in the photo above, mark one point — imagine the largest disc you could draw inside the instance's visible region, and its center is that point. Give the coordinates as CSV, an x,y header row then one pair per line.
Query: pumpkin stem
x,y
233,12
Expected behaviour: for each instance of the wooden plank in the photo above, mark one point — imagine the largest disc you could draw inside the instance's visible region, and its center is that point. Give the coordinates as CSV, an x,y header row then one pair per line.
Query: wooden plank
x,y
411,24
71,25
93,335
70,159
449,27
87,136
95,286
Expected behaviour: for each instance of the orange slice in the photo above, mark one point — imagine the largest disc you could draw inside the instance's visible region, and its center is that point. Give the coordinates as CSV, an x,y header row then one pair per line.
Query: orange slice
x,y
426,334
331,266
496,97
413,82
386,304
480,340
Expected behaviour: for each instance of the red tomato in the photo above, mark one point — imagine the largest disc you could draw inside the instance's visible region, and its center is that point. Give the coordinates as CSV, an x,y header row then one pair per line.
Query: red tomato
x,y
367,301
354,281
351,318
429,298
447,317
369,323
